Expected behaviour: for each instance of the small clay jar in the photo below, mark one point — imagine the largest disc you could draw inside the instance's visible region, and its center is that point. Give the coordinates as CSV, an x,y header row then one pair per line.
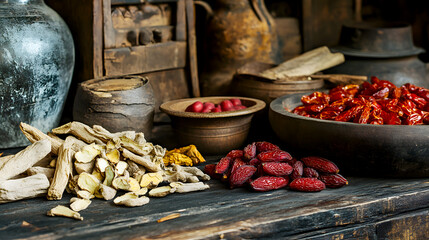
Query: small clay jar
x,y
117,104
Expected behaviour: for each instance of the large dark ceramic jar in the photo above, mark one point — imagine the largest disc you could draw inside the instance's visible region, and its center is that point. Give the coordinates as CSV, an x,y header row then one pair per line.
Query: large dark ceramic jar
x,y
382,49
36,67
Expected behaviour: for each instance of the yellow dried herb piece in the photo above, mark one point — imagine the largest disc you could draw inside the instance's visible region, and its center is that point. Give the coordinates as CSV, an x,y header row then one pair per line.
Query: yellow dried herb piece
x,y
194,154
177,158
88,182
161,191
151,180
88,153
113,155
65,212
187,156
109,175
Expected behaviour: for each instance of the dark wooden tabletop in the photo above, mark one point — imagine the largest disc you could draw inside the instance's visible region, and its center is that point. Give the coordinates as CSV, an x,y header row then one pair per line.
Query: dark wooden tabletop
x,y
368,208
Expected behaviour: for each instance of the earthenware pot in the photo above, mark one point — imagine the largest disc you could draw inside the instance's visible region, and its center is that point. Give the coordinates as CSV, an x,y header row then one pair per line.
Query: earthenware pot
x,y
36,67
237,32
385,50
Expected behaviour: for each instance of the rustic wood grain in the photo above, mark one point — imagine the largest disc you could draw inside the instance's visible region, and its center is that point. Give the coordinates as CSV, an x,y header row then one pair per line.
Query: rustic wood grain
x,y
192,48
167,85
322,21
355,210
181,21
140,59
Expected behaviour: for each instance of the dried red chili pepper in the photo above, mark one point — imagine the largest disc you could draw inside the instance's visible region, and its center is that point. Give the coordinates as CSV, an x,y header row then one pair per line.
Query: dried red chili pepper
x,y
315,98
374,102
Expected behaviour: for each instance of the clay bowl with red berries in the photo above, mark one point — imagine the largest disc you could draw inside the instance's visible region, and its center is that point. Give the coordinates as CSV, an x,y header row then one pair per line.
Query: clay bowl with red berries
x,y
357,149
214,129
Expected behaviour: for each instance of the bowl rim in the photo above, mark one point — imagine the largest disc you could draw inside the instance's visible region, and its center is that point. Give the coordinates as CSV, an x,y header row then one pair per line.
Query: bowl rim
x,y
166,107
277,106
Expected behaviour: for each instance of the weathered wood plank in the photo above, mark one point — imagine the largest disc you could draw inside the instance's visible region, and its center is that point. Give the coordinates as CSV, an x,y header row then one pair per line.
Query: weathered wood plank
x,y
140,59
322,21
180,21
219,211
167,85
192,48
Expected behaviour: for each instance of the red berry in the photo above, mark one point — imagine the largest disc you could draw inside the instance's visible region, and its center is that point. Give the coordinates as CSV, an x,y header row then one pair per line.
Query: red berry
x,y
239,107
226,105
209,105
235,101
217,109
195,107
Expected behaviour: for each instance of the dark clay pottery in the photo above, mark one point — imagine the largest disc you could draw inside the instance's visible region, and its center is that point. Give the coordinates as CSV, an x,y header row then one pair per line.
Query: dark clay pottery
x,y
36,68
237,32
212,133
117,104
357,149
385,50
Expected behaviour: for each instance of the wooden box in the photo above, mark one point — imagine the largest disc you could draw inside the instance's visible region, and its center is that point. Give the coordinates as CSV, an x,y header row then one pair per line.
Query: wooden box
x,y
130,37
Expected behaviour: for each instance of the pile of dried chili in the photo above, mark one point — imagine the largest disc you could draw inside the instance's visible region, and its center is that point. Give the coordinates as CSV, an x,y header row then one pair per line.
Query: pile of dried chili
x,y
379,102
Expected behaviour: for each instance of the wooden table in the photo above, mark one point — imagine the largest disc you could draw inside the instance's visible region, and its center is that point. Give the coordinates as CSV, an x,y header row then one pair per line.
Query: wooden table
x,y
368,208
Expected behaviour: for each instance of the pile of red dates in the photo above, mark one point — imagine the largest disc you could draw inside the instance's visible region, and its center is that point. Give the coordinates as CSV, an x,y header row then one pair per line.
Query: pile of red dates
x,y
263,166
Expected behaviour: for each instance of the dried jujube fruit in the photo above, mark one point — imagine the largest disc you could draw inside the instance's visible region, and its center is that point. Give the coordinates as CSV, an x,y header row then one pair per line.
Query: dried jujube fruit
x,y
268,183
320,164
333,180
307,185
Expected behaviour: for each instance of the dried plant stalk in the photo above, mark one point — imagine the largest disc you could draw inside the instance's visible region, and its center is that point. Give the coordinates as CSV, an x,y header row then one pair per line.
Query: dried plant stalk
x,y
23,188
81,131
188,187
99,130
145,161
25,159
33,135
63,170
4,159
48,172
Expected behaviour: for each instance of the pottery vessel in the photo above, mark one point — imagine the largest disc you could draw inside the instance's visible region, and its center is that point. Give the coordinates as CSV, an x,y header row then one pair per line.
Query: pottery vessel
x,y
36,68
357,149
237,32
385,50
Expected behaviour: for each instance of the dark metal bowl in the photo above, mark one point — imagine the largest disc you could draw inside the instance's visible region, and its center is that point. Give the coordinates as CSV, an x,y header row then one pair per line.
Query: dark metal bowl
x,y
357,149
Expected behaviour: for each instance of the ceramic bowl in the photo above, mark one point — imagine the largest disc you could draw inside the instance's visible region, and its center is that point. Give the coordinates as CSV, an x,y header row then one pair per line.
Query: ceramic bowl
x,y
357,149
212,133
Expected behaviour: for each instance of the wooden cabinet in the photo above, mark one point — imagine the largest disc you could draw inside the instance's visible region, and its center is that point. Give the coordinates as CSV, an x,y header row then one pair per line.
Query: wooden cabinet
x,y
131,37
